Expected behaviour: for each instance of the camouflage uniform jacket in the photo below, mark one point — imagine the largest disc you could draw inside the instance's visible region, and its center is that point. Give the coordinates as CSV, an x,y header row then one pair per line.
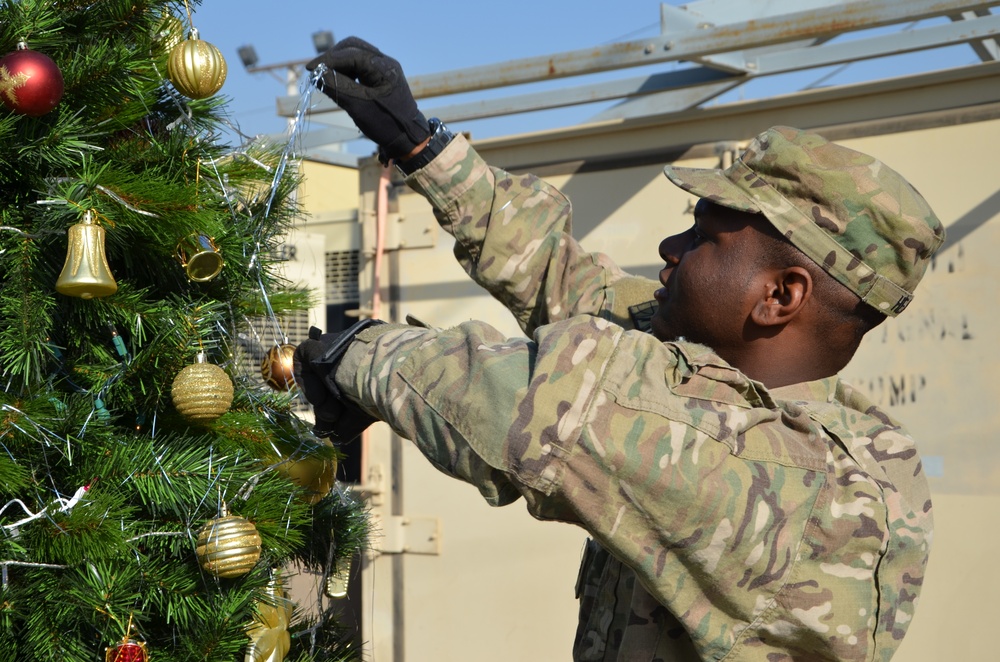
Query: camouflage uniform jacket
x,y
734,522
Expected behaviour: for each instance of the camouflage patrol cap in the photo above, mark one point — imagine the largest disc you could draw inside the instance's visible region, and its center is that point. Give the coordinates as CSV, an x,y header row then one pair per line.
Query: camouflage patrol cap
x,y
851,214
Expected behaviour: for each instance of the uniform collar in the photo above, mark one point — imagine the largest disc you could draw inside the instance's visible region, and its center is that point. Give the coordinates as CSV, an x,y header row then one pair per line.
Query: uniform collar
x,y
819,390
707,361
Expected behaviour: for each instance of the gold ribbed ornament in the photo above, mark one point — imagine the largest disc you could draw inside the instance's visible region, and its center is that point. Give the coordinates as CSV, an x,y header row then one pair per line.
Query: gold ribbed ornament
x,y
228,546
85,273
202,391
196,68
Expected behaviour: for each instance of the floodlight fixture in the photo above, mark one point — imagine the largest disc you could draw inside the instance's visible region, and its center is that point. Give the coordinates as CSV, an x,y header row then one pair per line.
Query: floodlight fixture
x,y
248,55
322,40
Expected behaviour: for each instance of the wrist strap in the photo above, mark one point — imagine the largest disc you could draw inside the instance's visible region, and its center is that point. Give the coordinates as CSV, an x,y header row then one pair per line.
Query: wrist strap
x,y
332,355
440,137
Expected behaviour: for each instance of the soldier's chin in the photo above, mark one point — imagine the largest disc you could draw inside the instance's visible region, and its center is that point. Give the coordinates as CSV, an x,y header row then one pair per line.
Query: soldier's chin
x,y
662,330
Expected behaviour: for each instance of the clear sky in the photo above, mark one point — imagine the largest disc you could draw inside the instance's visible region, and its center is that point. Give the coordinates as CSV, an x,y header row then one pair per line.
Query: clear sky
x,y
442,35
426,37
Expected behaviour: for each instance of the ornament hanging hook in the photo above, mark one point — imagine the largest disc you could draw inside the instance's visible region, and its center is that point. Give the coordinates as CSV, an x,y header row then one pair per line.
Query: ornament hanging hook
x,y
187,8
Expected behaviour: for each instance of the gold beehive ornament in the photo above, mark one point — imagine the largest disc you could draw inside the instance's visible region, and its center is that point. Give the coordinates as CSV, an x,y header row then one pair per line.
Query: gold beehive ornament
x,y
85,273
196,68
202,391
228,546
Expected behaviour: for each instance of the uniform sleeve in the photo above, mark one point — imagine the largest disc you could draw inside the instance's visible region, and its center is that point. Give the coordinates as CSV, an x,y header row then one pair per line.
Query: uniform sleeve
x,y
513,237
501,414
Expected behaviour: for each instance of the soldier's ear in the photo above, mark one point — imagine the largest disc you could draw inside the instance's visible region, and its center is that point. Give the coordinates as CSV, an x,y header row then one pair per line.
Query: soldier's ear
x,y
784,296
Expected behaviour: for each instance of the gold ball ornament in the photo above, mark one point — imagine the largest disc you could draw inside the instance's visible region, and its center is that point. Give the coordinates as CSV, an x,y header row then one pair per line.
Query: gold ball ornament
x,y
315,475
202,392
196,68
228,546
278,367
168,33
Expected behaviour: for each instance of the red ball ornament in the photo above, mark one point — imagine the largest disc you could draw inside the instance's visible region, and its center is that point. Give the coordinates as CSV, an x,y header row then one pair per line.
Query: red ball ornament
x,y
30,82
127,651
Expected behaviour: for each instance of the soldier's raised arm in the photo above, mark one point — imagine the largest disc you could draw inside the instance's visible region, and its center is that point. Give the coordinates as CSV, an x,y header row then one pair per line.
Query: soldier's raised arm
x,y
512,231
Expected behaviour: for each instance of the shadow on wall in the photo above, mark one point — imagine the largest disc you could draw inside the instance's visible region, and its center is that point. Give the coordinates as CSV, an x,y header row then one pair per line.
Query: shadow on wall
x,y
970,222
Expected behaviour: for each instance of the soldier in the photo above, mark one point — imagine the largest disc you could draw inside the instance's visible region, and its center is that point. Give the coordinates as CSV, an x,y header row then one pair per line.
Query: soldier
x,y
743,502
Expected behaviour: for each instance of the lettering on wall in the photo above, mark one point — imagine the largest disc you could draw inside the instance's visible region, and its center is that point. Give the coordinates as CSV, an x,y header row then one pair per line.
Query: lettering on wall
x,y
284,253
892,390
918,325
948,261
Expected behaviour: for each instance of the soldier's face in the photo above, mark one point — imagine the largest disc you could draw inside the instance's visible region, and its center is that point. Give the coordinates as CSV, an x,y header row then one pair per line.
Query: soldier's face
x,y
711,278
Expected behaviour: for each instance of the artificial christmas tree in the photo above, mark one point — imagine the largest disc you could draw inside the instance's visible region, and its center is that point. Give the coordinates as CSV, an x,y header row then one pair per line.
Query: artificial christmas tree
x,y
104,482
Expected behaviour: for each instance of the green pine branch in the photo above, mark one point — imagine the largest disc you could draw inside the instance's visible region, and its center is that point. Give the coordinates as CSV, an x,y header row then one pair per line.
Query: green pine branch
x,y
85,397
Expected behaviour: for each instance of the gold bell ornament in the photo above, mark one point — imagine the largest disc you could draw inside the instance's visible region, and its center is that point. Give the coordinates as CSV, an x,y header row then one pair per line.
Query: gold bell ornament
x,y
196,68
269,638
338,583
202,391
199,256
228,546
278,367
85,273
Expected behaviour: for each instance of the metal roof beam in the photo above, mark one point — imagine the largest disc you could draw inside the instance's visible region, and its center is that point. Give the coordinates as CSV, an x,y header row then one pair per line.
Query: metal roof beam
x,y
868,48
765,63
827,21
780,62
769,63
986,49
814,23
705,14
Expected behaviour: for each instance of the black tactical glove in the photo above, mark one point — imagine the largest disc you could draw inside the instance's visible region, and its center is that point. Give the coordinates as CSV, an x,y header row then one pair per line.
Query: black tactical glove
x,y
370,86
315,364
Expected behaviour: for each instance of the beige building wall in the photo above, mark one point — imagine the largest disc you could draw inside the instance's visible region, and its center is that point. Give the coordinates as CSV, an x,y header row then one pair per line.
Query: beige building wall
x,y
452,579
327,187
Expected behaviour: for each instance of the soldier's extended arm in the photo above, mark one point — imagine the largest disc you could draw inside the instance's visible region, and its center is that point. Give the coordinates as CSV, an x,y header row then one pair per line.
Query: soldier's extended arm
x,y
513,237
490,410
513,232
